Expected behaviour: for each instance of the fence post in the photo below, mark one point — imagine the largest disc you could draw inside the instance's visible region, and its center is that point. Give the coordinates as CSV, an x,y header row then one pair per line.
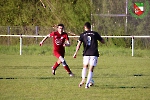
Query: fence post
x,y
20,45
132,46
36,32
8,32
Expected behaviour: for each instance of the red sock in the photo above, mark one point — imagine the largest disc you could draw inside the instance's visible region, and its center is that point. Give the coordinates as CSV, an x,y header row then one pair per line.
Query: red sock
x,y
55,66
67,69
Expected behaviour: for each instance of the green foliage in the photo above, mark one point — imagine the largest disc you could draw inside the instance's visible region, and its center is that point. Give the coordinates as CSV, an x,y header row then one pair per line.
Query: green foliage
x,y
72,13
27,14
108,19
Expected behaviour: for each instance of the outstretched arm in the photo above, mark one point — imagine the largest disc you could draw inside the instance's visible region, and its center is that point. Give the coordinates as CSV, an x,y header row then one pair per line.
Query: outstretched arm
x,y
77,49
102,41
41,43
67,44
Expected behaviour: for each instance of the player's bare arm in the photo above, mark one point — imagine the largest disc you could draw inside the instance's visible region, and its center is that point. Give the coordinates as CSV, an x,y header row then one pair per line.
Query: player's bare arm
x,y
67,44
41,43
77,49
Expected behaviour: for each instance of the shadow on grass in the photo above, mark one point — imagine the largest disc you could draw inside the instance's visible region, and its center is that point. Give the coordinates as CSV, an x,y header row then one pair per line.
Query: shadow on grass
x,y
42,78
121,87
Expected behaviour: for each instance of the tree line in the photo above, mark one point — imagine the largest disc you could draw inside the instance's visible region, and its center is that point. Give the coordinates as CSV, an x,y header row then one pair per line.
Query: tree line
x,y
73,14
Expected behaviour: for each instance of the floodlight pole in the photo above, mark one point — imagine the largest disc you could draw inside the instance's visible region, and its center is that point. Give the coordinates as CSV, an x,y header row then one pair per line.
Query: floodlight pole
x,y
126,16
91,16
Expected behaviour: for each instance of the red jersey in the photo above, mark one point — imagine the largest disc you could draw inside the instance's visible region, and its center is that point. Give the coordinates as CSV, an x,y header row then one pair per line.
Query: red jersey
x,y
59,40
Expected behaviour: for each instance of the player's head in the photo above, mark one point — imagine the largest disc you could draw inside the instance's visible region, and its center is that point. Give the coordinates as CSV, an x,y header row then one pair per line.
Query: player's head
x,y
87,26
60,28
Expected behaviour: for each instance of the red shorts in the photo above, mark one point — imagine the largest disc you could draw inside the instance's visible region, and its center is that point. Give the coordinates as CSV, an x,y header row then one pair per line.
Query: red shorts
x,y
59,53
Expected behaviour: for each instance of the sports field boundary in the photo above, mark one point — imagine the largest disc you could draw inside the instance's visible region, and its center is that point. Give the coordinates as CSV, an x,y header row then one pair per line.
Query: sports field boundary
x,y
40,36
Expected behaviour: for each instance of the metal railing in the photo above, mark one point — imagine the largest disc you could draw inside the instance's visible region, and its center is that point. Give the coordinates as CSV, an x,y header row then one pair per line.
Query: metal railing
x,y
38,36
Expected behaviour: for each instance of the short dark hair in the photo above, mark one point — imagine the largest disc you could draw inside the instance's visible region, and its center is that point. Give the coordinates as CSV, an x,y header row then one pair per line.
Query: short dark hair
x,y
60,25
88,25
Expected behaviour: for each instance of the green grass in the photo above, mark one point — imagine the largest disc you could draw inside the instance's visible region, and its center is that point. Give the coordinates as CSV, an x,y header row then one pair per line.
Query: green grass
x,y
118,76
47,50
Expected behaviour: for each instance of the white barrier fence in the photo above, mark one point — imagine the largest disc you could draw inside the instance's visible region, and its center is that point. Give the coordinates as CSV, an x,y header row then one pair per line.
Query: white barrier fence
x,y
36,36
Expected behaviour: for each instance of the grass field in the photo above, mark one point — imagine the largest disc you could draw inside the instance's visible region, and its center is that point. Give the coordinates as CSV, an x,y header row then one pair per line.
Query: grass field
x,y
120,77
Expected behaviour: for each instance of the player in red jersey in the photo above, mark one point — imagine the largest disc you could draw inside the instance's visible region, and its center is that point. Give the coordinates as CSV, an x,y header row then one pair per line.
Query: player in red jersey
x,y
60,40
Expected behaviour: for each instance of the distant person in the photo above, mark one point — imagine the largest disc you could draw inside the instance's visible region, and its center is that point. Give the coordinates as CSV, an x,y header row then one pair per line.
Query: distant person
x,y
90,53
60,41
